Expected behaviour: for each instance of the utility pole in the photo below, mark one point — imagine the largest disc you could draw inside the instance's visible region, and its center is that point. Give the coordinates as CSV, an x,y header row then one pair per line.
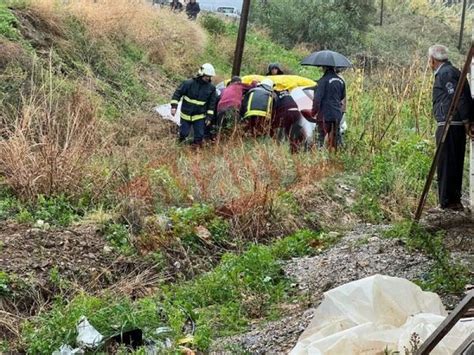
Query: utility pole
x,y
239,47
381,13
463,17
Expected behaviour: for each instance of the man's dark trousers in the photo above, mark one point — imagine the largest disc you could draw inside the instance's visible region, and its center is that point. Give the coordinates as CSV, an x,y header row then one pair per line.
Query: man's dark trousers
x,y
198,130
451,165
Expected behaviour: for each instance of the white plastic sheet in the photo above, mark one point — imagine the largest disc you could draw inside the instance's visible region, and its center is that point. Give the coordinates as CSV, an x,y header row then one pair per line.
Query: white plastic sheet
x,y
68,350
165,112
87,335
376,313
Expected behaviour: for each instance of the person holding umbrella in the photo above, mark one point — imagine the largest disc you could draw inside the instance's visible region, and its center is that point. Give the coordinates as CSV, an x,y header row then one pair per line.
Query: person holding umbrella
x,y
329,95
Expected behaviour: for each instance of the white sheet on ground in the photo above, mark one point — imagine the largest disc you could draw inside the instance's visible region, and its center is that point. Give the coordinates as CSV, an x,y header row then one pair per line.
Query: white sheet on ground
x,y
378,312
165,112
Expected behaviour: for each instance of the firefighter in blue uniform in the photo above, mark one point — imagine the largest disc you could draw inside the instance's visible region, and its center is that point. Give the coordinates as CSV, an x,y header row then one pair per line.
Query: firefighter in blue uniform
x,y
199,101
451,160
257,108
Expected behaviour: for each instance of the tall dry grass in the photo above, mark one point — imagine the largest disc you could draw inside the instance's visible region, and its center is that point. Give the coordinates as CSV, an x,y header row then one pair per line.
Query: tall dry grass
x,y
46,148
169,38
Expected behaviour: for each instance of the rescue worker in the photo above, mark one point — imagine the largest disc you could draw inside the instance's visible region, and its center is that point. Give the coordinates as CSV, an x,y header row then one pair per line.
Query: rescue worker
x,y
451,160
228,108
192,9
327,108
176,6
287,115
199,100
257,108
274,69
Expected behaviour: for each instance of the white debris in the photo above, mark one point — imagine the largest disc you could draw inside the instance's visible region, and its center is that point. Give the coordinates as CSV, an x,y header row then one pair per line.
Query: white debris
x,y
165,112
87,335
377,313
68,350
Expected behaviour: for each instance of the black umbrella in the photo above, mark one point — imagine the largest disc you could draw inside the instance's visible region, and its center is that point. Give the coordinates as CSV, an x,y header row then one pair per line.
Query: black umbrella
x,y
326,59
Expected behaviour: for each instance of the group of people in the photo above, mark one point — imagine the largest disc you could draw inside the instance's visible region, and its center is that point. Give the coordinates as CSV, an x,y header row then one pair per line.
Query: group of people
x,y
257,106
192,7
263,110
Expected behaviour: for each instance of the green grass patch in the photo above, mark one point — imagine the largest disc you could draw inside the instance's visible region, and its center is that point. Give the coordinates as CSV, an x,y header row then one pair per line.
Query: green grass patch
x,y
220,302
8,24
446,276
119,237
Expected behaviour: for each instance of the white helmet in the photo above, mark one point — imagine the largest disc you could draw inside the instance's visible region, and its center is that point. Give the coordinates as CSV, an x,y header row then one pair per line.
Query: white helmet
x,y
268,83
207,69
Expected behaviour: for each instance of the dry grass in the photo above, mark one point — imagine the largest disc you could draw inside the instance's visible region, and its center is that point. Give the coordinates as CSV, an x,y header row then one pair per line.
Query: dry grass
x,y
47,147
170,39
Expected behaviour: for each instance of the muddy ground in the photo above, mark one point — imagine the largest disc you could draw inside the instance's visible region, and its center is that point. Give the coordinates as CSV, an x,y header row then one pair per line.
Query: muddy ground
x,y
42,262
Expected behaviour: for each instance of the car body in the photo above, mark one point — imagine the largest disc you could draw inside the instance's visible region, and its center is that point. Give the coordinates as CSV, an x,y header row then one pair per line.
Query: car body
x,y
228,11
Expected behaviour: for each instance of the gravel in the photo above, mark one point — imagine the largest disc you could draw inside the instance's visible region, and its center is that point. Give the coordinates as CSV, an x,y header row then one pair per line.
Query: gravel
x,y
360,253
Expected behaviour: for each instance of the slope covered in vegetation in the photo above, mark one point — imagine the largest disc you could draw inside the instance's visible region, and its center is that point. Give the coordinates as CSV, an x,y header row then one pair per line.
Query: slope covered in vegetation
x,y
124,226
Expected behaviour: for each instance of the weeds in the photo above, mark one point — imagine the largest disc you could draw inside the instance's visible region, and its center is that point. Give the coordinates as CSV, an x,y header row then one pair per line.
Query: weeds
x,y
8,23
119,237
446,275
223,301
4,284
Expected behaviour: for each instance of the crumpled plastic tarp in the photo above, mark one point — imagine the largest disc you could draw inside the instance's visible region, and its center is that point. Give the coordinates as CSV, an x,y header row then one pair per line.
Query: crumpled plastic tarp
x,y
377,313
87,335
165,112
68,350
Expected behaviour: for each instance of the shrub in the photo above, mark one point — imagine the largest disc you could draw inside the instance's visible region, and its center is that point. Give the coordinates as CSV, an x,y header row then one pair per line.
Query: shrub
x,y
109,315
336,24
118,236
213,24
56,210
8,23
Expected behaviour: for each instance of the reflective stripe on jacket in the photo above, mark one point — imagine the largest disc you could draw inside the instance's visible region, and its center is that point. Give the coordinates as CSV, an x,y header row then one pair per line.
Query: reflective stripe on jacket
x,y
258,102
199,99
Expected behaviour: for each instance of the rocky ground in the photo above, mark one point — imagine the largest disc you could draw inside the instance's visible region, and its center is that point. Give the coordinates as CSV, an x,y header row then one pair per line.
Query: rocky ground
x,y
81,257
360,253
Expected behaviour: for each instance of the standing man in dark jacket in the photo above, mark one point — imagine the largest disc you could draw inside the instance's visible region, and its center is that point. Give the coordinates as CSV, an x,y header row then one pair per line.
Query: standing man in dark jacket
x,y
327,106
451,160
192,9
199,101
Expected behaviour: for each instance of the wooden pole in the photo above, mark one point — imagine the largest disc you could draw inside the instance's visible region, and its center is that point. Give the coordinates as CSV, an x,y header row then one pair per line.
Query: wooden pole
x,y
471,160
449,118
381,13
239,47
463,18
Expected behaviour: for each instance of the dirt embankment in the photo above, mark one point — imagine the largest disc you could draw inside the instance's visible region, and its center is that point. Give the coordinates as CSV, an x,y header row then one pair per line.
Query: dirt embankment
x,y
40,264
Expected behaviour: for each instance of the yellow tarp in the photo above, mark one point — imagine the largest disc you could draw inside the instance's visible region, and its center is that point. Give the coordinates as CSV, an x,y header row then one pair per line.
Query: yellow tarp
x,y
282,82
